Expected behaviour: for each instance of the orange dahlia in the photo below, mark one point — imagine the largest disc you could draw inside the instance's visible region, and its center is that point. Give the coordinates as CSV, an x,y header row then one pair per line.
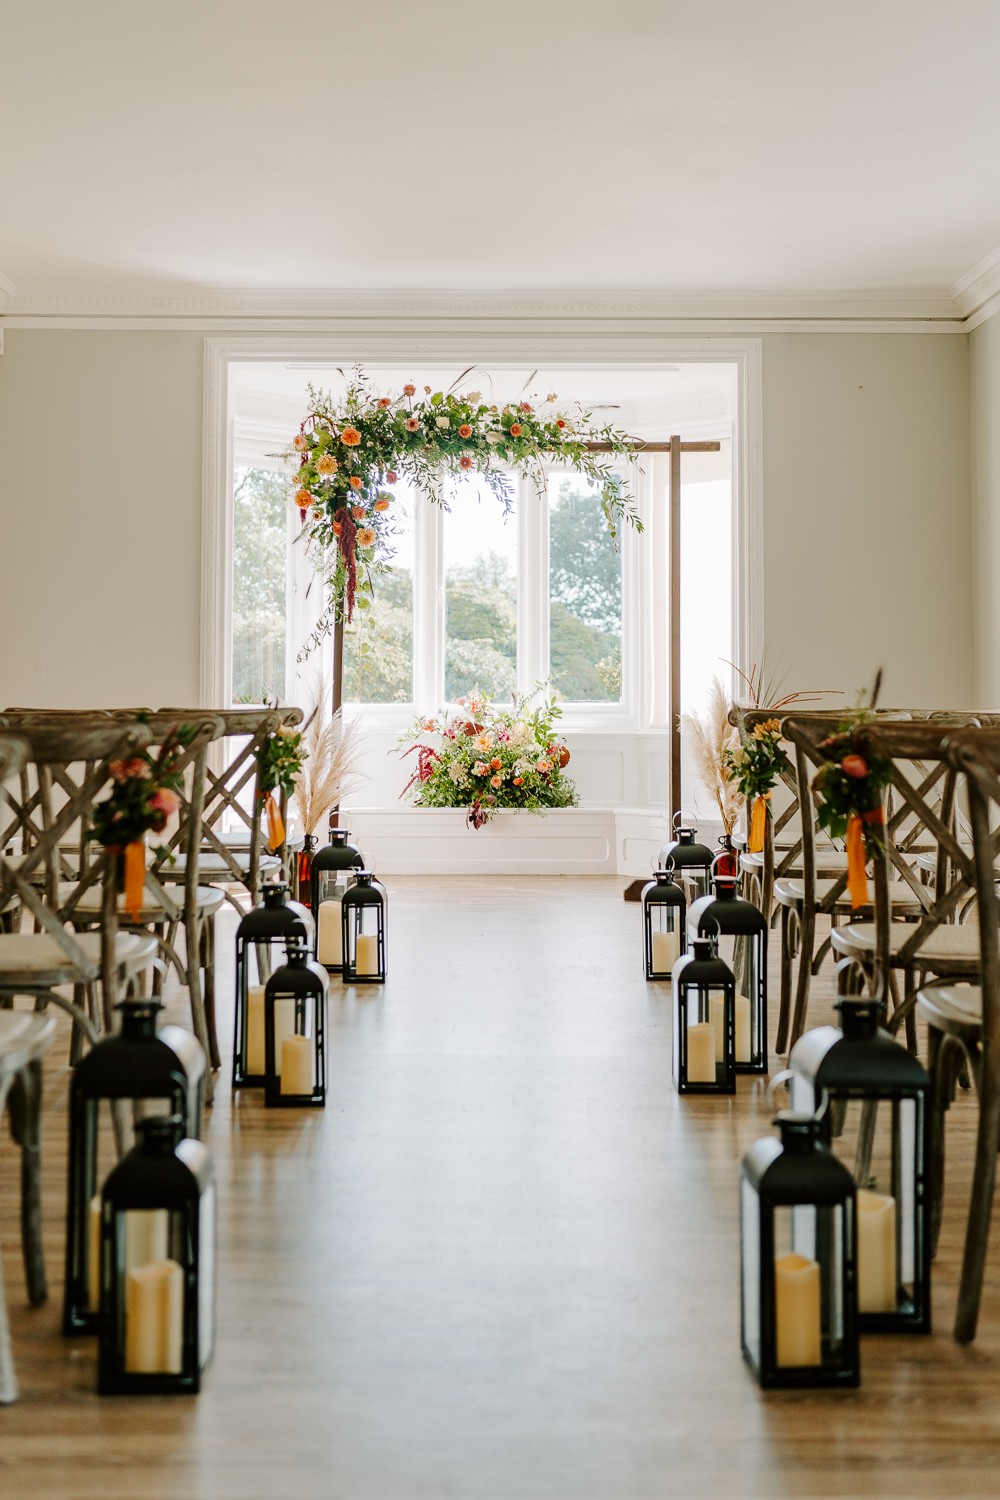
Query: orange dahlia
x,y
303,499
351,437
465,431
516,429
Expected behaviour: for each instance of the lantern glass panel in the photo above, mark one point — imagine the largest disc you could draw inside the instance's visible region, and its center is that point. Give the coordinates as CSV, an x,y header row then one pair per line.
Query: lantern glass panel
x,y
750,1265
331,887
294,1017
663,925
704,1025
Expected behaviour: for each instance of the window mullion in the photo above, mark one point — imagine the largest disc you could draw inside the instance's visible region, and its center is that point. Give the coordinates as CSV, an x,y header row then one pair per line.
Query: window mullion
x,y
428,606
533,585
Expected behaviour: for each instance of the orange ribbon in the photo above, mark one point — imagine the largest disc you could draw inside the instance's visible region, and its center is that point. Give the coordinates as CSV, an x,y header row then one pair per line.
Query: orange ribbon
x,y
275,825
758,824
135,878
857,881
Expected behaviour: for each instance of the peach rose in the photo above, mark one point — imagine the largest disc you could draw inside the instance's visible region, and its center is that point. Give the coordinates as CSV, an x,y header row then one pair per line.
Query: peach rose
x,y
165,801
351,437
358,512
496,763
303,499
391,477
300,442
382,503
518,780
356,482
496,781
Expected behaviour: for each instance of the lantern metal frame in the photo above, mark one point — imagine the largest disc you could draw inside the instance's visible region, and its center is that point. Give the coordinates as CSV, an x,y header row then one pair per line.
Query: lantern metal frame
x,y
797,1185
727,915
137,1066
304,984
365,894
164,1172
335,862
861,1064
269,924
692,862
699,976
662,894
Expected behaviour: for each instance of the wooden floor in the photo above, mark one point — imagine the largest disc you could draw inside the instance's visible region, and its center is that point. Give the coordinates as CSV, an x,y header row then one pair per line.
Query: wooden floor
x,y
502,1263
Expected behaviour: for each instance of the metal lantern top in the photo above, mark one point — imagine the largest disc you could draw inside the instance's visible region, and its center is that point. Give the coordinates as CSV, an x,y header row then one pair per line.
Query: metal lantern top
x,y
702,967
275,917
365,891
663,889
138,1061
684,851
730,912
300,976
797,1166
861,1059
338,854
163,1169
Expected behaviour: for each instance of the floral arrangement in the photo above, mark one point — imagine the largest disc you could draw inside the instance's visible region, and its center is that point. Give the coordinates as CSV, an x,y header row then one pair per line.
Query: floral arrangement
x,y
754,766
279,762
485,758
144,794
351,453
848,790
712,739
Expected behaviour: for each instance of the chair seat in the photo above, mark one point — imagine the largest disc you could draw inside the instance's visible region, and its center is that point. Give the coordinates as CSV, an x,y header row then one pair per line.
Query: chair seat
x,y
23,1037
239,838
214,867
955,1008
208,899
36,959
793,893
951,948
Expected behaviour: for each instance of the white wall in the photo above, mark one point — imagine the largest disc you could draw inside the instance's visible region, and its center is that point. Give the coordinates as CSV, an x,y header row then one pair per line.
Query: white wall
x,y
867,514
984,347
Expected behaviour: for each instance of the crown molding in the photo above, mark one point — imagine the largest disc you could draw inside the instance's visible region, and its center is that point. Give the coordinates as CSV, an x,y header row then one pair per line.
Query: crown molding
x,y
974,291
258,310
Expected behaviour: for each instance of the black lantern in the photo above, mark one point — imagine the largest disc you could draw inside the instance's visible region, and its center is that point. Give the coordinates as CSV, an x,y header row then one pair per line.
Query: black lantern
x,y
158,1264
295,1030
692,862
742,932
137,1071
664,936
333,868
704,996
877,1120
364,931
261,930
798,1293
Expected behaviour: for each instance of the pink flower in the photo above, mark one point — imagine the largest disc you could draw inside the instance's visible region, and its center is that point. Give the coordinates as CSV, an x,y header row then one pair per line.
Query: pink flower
x,y
854,766
391,476
496,781
165,801
409,390
412,424
480,768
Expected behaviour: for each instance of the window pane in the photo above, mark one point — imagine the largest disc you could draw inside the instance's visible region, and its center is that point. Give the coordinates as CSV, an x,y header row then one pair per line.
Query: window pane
x,y
585,595
378,644
480,574
706,601
260,518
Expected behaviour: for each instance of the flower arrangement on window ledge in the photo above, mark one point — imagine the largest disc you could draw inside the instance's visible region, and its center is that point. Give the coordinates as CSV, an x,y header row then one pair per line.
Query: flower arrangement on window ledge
x,y
485,758
351,452
143,797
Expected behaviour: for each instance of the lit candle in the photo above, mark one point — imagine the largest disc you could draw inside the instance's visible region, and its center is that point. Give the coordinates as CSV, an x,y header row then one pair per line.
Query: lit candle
x,y
145,1236
154,1319
666,950
330,938
297,1065
743,1053
94,1254
366,953
255,1029
876,1252
796,1310
701,1052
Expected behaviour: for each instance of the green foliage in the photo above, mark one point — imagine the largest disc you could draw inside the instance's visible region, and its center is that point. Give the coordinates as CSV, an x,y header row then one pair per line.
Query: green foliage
x,y
851,782
143,794
279,761
757,762
260,511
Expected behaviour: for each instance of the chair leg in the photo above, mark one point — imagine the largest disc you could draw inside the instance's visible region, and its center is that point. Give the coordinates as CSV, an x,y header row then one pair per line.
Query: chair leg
x,y
980,1206
785,994
807,939
208,964
8,1380
26,1128
199,1020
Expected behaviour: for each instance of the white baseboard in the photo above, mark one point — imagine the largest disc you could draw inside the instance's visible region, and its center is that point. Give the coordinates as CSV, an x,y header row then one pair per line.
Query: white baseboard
x,y
565,841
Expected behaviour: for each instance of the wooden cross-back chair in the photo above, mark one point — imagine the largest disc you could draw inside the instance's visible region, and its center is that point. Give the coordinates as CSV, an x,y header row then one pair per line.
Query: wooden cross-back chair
x,y
963,1019
239,856
65,769
911,928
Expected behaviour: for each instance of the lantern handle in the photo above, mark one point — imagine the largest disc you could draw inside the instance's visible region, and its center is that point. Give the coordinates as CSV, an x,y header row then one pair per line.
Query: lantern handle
x,y
780,1080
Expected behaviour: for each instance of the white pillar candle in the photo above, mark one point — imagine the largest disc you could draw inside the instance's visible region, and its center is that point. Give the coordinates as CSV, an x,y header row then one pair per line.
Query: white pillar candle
x,y
717,1016
255,1029
146,1232
797,1324
284,1026
329,934
743,1051
154,1319
876,1252
94,1254
701,1052
366,953
297,1065
666,951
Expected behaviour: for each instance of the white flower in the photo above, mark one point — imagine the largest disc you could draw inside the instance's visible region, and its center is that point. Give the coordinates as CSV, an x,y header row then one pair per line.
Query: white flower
x,y
520,766
522,733
443,422
494,437
474,398
457,774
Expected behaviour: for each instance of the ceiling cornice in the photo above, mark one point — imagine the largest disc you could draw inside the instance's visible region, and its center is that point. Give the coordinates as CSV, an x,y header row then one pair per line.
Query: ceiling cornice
x,y
261,309
976,292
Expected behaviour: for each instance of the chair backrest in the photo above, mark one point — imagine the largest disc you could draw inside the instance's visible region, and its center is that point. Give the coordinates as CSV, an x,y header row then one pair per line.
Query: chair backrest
x,y
975,753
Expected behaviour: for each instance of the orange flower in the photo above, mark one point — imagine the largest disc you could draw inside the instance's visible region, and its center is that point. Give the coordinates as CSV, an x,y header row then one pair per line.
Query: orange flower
x,y
496,763
384,401
465,431
465,462
409,390
391,477
496,781
366,536
516,429
854,766
351,437
560,423
518,780
412,425
358,512
336,528
303,499
525,407
382,503
356,482
326,464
